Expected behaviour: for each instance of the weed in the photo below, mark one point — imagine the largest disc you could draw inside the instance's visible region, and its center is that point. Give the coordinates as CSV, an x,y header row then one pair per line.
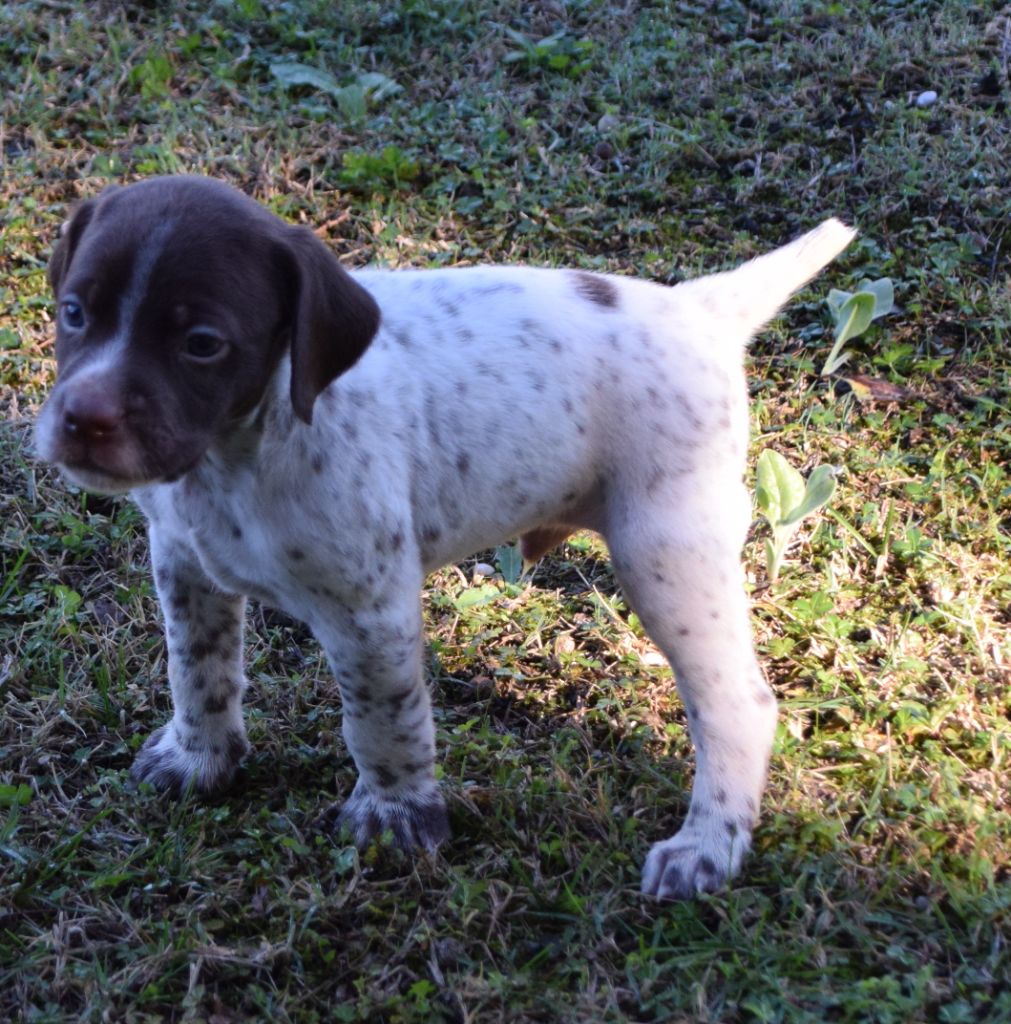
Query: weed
x,y
352,99
556,52
852,313
370,172
786,500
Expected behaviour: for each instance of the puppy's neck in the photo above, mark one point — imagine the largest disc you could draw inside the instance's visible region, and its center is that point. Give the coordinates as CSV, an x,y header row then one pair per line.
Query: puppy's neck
x,y
238,443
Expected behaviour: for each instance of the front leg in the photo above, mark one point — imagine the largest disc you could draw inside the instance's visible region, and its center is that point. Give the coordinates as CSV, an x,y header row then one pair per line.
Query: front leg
x,y
205,741
376,656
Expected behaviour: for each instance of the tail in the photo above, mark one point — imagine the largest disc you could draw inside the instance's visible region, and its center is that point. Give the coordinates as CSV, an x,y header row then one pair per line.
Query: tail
x,y
752,294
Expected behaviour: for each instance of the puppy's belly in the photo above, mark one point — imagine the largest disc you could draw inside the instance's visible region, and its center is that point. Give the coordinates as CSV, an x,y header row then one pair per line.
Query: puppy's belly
x,y
498,515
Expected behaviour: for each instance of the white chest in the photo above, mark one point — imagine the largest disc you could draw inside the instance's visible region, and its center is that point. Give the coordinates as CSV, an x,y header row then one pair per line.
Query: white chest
x,y
290,551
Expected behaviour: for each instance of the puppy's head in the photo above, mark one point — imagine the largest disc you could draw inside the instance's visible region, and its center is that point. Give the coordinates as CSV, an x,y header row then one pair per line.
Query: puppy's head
x,y
176,298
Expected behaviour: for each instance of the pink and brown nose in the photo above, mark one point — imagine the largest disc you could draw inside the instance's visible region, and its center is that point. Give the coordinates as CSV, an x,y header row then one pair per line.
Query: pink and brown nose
x,y
91,413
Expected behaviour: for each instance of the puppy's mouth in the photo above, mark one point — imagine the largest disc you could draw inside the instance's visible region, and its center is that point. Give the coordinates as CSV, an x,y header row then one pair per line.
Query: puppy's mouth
x,y
89,475
105,466
116,461
100,481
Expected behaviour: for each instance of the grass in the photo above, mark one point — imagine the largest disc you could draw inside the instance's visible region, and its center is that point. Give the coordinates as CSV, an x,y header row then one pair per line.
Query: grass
x,y
648,138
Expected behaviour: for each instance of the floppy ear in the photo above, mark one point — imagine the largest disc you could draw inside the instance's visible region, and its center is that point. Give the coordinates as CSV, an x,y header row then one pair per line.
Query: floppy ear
x,y
70,235
333,319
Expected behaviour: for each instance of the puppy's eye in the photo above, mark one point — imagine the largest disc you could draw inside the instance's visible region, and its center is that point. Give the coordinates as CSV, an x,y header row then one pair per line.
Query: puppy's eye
x,y
72,315
204,347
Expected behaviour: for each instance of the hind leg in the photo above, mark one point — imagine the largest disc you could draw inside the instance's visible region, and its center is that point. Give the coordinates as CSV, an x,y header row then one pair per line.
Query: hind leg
x,y
678,561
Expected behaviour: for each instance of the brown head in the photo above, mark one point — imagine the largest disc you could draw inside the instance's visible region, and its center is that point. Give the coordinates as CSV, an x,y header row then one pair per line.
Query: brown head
x,y
176,299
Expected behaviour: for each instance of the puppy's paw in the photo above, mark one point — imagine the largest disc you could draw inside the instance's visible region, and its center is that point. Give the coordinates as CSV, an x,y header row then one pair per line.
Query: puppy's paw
x,y
417,821
694,861
171,762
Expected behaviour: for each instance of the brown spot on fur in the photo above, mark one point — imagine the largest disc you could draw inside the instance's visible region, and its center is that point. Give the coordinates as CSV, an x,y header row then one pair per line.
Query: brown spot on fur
x,y
396,700
235,745
597,289
216,703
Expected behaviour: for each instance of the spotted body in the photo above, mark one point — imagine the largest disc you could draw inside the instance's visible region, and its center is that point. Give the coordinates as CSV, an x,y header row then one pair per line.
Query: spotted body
x,y
319,441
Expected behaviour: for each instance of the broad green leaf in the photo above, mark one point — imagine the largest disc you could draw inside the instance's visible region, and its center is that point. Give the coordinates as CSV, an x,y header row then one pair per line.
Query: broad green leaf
x,y
551,41
520,40
836,300
516,36
378,85
291,73
764,501
69,600
855,316
883,292
819,490
11,795
475,596
352,101
111,880
781,484
510,562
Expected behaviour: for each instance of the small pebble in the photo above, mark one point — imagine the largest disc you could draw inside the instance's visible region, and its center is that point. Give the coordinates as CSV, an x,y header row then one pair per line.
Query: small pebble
x,y
564,644
926,99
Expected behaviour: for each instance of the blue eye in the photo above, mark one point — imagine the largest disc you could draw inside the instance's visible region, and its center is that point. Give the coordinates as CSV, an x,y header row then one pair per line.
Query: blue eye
x,y
73,315
204,347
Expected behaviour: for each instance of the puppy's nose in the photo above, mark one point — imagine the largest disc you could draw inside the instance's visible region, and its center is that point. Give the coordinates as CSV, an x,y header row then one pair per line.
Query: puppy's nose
x,y
91,414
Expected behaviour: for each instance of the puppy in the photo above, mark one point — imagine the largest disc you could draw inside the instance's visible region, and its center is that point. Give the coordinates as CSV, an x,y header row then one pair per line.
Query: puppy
x,y
320,440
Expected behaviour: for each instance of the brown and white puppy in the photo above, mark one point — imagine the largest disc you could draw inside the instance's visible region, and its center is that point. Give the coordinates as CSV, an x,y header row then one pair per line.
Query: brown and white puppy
x,y
319,441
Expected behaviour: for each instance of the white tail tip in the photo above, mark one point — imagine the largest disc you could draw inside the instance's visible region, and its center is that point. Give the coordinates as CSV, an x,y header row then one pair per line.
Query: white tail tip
x,y
753,293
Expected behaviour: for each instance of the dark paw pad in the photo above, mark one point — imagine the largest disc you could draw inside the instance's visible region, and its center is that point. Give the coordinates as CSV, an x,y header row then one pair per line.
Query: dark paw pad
x,y
417,822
